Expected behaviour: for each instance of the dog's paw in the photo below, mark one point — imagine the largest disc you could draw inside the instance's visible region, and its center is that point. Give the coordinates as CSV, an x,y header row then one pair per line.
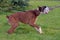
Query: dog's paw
x,y
40,31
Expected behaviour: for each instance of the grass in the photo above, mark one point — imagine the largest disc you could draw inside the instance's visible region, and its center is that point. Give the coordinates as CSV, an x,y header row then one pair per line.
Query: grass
x,y
50,24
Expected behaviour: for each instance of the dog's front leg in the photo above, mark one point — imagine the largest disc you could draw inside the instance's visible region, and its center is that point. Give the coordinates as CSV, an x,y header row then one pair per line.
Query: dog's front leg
x,y
37,28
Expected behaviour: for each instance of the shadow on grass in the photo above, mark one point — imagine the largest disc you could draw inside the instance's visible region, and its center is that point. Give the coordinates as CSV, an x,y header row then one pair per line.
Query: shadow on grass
x,y
22,31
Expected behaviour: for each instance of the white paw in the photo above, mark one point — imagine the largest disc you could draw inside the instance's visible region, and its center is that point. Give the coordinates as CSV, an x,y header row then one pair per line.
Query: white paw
x,y
40,30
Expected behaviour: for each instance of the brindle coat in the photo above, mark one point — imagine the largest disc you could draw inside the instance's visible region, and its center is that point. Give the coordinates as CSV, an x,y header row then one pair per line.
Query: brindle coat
x,y
27,17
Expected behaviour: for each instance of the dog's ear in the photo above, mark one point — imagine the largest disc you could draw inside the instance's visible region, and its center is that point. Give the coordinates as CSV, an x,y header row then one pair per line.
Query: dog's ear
x,y
39,8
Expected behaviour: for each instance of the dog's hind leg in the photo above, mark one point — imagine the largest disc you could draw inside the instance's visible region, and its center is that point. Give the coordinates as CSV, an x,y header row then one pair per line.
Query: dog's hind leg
x,y
14,24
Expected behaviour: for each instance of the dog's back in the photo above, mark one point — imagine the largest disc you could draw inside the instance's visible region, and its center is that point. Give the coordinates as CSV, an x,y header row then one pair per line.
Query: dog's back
x,y
25,17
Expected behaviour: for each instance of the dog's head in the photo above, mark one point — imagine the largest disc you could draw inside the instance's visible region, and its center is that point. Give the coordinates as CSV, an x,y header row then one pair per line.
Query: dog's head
x,y
44,9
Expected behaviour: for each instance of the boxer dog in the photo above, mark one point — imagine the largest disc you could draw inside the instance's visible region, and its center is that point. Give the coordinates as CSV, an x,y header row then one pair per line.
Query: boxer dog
x,y
27,17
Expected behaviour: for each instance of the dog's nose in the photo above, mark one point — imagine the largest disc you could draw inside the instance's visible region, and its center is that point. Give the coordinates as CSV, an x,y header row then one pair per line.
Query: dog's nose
x,y
45,12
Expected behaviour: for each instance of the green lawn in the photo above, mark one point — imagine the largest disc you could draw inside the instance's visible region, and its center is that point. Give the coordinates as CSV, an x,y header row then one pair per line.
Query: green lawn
x,y
50,24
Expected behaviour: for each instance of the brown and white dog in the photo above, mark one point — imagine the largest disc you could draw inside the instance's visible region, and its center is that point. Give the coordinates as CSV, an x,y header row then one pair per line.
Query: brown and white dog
x,y
26,17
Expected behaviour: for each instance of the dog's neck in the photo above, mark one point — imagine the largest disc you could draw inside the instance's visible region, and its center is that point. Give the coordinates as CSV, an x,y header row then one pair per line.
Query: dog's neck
x,y
36,12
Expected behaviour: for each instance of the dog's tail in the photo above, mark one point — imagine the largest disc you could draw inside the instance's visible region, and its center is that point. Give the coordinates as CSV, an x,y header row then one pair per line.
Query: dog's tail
x,y
7,16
